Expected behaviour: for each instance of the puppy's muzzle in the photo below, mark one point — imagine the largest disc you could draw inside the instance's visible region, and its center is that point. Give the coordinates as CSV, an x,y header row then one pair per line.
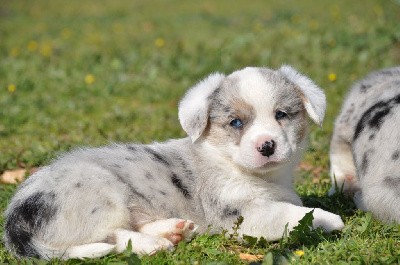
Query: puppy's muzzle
x,y
267,149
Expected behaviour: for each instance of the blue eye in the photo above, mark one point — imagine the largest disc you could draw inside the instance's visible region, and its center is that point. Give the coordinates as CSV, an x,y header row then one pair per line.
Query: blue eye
x,y
279,115
236,123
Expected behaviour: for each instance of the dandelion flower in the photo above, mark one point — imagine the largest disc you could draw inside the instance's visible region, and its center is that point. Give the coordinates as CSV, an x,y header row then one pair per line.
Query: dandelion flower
x,y
118,27
332,77
295,19
378,10
335,13
299,253
66,33
11,88
46,50
159,42
32,46
15,52
313,24
89,79
257,26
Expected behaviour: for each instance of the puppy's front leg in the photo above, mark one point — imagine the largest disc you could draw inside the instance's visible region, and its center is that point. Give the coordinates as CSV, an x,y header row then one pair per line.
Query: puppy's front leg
x,y
269,218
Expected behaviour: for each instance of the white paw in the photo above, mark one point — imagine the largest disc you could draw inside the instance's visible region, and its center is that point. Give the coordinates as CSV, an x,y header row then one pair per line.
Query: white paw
x,y
175,230
142,244
326,220
347,184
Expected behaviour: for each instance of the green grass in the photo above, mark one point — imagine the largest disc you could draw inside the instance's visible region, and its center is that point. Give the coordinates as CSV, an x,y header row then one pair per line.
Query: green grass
x,y
143,56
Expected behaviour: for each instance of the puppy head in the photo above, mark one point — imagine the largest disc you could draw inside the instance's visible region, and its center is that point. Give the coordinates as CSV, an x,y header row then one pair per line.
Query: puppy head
x,y
255,117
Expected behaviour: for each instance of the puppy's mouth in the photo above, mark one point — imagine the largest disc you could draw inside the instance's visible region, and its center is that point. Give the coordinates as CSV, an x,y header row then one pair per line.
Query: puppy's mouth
x,y
272,164
258,162
264,166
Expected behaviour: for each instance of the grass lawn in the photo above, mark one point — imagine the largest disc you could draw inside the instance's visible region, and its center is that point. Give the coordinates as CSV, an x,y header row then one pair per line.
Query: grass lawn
x,y
90,72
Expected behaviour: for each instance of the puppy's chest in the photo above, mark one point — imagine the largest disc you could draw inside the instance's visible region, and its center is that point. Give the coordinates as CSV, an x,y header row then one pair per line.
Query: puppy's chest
x,y
230,185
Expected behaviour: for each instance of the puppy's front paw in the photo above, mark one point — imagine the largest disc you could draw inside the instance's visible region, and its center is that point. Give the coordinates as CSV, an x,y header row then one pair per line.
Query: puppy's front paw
x,y
326,220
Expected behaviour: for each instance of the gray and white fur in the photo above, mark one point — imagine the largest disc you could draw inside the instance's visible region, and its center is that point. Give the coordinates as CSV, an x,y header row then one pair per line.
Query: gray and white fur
x,y
365,147
246,133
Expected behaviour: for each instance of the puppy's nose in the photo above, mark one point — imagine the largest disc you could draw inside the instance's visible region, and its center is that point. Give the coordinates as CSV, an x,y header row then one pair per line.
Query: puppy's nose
x,y
267,149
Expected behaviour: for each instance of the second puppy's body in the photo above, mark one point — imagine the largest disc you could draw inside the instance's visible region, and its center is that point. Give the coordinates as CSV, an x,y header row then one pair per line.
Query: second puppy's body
x,y
247,131
365,147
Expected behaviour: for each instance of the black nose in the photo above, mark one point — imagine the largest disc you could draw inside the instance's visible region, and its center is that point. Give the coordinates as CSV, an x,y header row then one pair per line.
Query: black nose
x,y
267,149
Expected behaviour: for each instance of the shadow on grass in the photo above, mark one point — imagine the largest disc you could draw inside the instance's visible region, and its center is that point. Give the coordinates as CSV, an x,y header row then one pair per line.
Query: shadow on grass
x,y
337,203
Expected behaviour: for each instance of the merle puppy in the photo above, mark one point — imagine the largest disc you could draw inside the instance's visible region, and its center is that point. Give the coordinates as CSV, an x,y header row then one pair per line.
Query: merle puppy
x,y
365,147
246,134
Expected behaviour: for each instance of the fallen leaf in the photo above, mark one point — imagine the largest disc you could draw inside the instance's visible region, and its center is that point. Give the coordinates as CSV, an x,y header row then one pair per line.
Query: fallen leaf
x,y
305,166
250,257
32,170
317,180
317,171
13,176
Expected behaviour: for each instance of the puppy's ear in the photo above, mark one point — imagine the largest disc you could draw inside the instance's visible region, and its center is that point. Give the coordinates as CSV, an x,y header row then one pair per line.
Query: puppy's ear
x,y
314,97
193,108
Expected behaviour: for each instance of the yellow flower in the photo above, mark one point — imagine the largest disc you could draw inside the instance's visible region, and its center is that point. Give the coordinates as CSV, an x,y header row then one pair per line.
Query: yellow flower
x,y
66,33
89,79
335,13
378,10
257,26
332,77
313,24
295,19
15,52
32,46
11,88
159,42
118,27
46,50
299,253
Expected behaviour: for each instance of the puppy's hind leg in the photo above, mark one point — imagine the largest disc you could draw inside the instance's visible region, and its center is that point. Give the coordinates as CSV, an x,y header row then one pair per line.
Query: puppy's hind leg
x,y
173,229
92,250
142,244
343,171
381,197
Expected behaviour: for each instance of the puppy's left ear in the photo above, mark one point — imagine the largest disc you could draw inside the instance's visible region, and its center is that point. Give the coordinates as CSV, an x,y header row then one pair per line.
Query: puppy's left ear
x,y
194,107
314,97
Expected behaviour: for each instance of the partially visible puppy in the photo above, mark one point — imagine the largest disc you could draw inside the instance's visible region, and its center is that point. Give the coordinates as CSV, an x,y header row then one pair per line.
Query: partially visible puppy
x,y
246,134
365,147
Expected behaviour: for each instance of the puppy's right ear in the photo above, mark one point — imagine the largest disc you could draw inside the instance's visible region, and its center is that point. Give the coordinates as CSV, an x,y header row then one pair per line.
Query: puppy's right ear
x,y
194,107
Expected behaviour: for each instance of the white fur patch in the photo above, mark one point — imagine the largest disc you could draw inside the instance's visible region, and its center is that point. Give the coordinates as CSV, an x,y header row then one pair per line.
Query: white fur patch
x,y
315,100
162,228
142,244
93,250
